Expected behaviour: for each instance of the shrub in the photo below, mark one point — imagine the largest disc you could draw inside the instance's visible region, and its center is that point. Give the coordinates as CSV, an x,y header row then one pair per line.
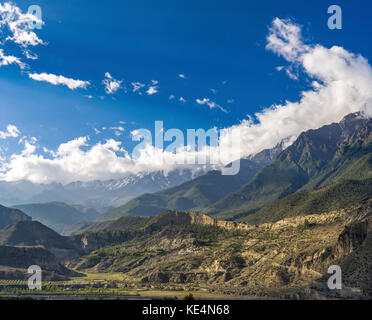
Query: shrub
x,y
189,297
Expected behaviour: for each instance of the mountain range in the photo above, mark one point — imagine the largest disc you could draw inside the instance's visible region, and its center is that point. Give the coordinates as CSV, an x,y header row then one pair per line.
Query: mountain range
x,y
317,158
58,215
97,194
9,216
273,229
197,193
335,152
339,153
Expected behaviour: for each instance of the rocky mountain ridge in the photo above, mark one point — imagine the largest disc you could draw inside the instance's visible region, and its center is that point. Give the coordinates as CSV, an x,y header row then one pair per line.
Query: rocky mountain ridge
x,y
185,249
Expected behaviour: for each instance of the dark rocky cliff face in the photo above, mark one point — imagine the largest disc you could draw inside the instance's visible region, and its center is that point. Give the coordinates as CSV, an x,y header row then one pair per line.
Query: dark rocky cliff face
x,y
323,143
14,262
352,238
23,257
357,240
9,216
33,233
353,253
317,158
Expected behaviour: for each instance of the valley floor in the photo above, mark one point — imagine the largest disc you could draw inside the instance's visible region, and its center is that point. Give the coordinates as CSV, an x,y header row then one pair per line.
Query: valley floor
x,y
287,259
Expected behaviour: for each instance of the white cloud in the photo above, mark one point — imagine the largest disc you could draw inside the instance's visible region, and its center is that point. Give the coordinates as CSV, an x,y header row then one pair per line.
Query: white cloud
x,y
285,39
19,25
210,104
6,60
182,99
59,80
76,160
137,86
152,90
182,76
292,72
118,131
341,84
111,85
69,163
29,148
11,132
120,128
33,140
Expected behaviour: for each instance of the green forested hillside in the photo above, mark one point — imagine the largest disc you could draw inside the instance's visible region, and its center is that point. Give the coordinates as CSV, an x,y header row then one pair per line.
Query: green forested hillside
x,y
306,165
271,183
317,158
340,195
56,215
194,194
123,223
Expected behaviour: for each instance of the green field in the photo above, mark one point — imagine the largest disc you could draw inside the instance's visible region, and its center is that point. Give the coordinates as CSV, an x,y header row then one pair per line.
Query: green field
x,y
114,285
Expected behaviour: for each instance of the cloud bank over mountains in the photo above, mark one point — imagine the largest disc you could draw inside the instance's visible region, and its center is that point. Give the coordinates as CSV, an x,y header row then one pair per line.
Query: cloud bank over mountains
x,y
341,83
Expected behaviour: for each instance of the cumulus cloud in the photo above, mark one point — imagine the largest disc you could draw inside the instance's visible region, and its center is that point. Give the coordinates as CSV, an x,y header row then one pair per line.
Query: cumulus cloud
x,y
70,163
182,76
15,27
29,148
210,104
76,160
59,80
111,84
285,39
18,28
19,25
341,84
11,132
153,88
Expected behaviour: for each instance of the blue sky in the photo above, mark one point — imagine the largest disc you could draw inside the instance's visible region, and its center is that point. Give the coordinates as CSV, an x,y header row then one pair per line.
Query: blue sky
x,y
219,46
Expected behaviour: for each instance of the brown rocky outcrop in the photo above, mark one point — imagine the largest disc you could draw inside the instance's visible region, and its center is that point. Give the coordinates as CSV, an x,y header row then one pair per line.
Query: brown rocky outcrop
x,y
195,218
